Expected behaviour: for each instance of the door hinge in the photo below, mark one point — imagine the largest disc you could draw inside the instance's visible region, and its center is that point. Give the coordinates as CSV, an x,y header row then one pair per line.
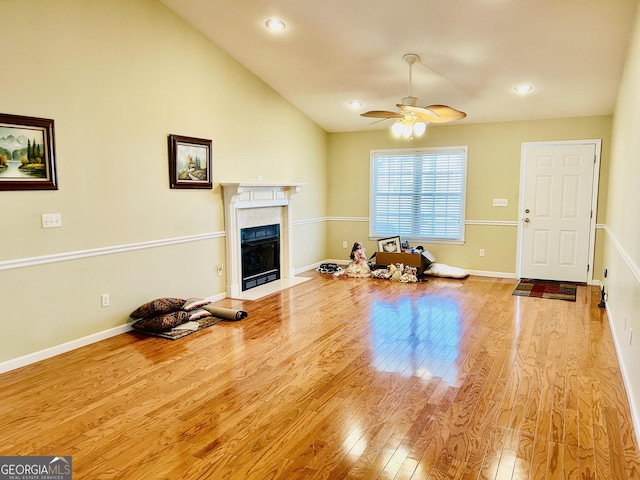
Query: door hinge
x,y
591,214
588,266
594,159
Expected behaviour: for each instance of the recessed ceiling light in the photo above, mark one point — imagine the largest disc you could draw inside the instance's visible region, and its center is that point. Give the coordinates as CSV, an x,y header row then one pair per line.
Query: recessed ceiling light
x,y
355,104
523,88
275,24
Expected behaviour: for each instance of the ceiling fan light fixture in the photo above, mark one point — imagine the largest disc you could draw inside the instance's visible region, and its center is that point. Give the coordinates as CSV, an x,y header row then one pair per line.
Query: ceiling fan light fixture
x,y
397,128
419,128
408,127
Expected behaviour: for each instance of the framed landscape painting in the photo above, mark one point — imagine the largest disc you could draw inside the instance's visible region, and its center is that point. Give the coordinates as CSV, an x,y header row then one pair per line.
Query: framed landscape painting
x,y
189,162
27,153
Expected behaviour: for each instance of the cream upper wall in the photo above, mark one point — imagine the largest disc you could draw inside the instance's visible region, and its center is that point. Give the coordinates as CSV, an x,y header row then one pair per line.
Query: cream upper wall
x,y
622,236
493,171
118,76
624,200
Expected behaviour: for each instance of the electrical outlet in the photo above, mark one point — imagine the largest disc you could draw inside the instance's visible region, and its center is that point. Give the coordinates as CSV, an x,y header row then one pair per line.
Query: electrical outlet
x,y
259,178
482,252
106,301
220,267
344,244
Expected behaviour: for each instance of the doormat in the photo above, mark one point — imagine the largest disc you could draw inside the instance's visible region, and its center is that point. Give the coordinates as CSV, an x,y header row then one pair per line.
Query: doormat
x,y
546,289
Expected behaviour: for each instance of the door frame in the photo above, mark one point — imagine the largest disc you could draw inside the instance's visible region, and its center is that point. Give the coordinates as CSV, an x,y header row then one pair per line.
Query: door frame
x,y
597,142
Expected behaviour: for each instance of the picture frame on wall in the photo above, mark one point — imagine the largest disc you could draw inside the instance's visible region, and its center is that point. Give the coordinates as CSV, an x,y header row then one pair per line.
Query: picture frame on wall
x,y
389,245
189,162
27,153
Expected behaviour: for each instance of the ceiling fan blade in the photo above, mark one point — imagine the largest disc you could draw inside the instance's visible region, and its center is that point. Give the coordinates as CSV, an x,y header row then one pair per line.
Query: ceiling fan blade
x,y
381,114
434,113
420,114
378,121
444,111
410,110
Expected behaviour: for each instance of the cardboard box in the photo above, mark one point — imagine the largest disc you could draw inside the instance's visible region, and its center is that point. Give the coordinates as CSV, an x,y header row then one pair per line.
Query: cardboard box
x,y
420,261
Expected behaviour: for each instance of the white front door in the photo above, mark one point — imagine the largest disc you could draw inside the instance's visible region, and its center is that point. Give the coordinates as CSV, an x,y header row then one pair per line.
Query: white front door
x,y
557,198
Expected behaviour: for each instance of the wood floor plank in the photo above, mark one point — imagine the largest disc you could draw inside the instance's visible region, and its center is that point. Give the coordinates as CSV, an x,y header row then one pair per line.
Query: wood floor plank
x,y
343,379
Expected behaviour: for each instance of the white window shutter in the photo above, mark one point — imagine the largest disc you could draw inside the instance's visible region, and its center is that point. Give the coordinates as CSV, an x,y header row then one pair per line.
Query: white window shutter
x,y
418,194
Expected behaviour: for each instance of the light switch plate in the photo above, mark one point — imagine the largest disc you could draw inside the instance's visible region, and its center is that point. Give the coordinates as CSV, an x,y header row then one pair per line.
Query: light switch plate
x,y
500,202
51,220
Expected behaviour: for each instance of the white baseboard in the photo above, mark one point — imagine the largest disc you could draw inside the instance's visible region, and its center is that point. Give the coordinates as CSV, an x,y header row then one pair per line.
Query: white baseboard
x,y
625,374
485,273
73,344
216,297
62,348
313,266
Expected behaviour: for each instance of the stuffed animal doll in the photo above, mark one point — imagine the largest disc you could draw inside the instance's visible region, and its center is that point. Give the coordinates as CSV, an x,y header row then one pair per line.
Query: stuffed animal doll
x,y
396,271
409,275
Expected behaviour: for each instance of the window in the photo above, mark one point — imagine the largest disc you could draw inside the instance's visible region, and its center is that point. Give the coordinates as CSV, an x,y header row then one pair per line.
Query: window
x,y
418,194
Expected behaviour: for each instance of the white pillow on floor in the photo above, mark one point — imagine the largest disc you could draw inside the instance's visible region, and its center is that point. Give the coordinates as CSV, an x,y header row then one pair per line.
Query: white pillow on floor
x,y
443,270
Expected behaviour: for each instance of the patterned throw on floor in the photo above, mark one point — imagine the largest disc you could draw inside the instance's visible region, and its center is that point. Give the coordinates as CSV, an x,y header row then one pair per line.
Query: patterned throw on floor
x,y
546,289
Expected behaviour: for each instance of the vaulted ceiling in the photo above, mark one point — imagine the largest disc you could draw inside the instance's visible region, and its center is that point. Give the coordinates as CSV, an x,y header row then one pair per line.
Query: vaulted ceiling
x,y
473,53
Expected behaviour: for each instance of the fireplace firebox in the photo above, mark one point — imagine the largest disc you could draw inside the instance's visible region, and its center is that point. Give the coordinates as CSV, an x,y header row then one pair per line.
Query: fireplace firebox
x,y
260,254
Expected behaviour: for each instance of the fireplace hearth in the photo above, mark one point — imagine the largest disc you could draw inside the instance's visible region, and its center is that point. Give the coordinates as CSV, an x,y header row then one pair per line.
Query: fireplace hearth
x,y
260,255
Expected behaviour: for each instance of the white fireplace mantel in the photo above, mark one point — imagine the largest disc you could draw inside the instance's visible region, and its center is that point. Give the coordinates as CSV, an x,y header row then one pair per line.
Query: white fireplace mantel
x,y
244,197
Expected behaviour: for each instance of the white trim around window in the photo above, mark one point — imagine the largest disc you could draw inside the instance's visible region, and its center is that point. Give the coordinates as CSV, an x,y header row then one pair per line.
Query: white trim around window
x,y
418,194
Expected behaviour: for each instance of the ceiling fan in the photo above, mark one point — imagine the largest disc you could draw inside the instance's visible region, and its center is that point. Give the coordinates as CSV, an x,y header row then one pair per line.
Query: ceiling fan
x,y
413,119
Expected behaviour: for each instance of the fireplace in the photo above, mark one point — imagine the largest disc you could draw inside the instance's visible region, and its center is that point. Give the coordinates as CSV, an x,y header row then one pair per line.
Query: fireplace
x,y
249,205
260,254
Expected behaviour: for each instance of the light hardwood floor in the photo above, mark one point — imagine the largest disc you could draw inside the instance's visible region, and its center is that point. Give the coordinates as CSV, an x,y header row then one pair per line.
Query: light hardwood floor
x,y
342,379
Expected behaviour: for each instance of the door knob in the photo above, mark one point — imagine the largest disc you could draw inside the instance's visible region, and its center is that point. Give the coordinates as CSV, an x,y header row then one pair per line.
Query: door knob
x,y
526,220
